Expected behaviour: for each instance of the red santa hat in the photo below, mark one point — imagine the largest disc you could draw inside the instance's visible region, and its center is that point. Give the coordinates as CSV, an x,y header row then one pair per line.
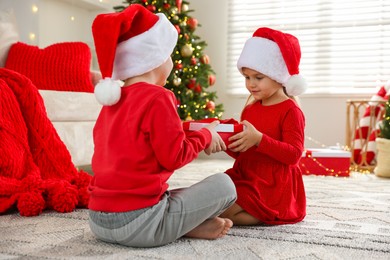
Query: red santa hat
x,y
128,44
276,55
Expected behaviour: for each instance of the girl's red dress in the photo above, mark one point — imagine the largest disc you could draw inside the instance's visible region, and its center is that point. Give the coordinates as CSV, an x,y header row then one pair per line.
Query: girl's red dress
x,y
267,177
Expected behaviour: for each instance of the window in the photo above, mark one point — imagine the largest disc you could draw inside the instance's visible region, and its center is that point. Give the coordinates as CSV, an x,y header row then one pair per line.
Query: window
x,y
345,44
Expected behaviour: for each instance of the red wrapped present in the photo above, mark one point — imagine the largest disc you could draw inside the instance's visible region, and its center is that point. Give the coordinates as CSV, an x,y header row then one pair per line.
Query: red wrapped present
x,y
226,128
330,162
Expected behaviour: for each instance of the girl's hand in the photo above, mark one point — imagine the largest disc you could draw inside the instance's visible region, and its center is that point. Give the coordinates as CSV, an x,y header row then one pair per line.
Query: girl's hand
x,y
217,143
246,139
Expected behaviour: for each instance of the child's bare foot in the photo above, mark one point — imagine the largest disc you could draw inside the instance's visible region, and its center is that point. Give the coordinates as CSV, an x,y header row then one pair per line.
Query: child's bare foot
x,y
211,228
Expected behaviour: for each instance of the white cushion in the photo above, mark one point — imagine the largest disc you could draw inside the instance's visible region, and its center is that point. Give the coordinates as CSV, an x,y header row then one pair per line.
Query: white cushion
x,y
73,115
65,106
77,137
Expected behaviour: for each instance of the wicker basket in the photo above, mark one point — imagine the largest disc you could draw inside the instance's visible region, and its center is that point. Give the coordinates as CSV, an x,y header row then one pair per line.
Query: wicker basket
x,y
355,111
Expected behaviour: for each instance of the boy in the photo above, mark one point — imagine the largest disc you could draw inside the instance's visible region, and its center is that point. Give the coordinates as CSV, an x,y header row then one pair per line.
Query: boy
x,y
140,142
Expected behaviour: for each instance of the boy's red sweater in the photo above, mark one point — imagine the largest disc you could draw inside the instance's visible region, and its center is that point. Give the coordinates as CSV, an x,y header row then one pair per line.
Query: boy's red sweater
x,y
139,143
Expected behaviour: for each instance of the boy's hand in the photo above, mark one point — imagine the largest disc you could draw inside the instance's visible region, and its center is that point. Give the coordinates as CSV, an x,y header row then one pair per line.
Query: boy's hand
x,y
217,143
246,139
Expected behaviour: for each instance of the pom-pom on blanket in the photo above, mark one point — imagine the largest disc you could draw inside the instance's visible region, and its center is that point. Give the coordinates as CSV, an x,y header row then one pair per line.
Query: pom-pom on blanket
x,y
36,171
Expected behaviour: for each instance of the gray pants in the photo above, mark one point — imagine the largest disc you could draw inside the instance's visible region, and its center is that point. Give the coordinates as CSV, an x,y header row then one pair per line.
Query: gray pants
x,y
180,211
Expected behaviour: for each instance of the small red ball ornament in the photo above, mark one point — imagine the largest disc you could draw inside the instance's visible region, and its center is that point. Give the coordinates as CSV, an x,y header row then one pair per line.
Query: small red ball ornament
x,y
210,105
211,79
179,66
151,8
166,6
192,23
198,88
191,84
193,61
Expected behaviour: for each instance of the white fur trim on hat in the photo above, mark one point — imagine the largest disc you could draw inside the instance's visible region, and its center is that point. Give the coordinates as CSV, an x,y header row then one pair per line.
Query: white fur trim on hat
x,y
264,56
107,92
146,51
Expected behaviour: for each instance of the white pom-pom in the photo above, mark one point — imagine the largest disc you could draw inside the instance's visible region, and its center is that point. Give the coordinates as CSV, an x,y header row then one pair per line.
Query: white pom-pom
x,y
295,85
108,92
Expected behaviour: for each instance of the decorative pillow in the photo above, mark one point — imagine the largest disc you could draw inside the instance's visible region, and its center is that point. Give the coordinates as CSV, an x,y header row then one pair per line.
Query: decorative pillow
x,y
8,34
62,66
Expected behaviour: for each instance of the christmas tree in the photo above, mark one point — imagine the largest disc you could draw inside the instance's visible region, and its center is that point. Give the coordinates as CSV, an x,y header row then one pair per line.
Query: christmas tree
x,y
385,126
192,74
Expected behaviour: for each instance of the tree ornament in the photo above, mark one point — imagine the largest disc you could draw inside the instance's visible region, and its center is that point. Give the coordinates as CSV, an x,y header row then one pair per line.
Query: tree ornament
x,y
177,28
166,6
178,66
193,61
210,105
174,10
188,118
186,50
191,84
198,88
189,93
211,79
178,5
151,8
205,59
192,23
177,81
185,8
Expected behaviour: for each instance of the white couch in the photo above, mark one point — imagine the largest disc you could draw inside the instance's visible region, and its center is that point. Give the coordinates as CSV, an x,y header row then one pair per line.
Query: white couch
x,y
73,115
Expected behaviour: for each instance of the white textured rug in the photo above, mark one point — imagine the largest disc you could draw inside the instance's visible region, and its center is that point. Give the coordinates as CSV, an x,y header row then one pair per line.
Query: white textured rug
x,y
348,218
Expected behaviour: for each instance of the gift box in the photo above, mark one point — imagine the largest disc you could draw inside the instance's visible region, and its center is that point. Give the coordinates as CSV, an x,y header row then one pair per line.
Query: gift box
x,y
226,127
330,162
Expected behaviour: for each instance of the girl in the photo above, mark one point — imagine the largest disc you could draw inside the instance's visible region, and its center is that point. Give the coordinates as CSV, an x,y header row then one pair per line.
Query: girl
x,y
140,142
266,174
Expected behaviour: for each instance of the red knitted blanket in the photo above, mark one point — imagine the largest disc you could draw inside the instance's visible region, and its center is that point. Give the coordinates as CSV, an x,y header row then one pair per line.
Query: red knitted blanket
x,y
36,171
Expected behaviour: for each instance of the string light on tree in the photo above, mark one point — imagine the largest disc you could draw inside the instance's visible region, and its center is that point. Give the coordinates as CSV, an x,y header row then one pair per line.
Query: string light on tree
x,y
192,74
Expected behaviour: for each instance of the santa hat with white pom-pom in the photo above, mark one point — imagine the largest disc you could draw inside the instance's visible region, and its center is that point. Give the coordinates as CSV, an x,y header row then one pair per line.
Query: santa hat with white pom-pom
x,y
276,55
128,44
